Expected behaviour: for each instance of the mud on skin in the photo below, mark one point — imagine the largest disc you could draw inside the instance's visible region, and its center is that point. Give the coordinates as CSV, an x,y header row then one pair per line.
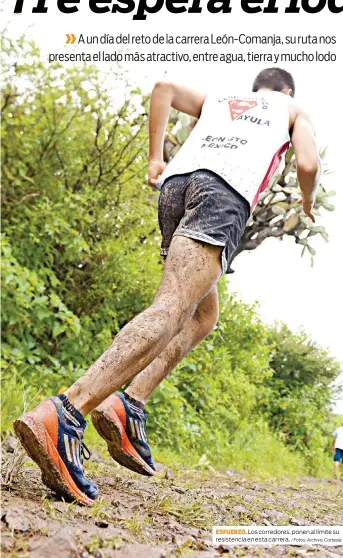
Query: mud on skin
x,y
190,272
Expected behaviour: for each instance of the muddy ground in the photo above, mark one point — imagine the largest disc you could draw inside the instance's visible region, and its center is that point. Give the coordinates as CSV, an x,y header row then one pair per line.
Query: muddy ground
x,y
170,515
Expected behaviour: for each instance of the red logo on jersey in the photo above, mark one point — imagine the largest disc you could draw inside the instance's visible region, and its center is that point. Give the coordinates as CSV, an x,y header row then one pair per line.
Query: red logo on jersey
x,y
239,106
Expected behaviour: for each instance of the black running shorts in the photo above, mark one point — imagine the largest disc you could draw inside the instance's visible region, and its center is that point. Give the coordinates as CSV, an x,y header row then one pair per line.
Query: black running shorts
x,y
202,206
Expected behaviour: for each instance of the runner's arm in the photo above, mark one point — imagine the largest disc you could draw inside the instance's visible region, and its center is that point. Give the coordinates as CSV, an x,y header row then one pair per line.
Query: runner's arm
x,y
164,96
308,162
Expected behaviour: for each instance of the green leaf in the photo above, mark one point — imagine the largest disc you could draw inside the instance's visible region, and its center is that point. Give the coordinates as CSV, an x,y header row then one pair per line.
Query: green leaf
x,y
58,329
42,314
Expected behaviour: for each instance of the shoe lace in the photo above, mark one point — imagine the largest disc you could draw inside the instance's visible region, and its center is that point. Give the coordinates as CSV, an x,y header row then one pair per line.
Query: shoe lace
x,y
85,452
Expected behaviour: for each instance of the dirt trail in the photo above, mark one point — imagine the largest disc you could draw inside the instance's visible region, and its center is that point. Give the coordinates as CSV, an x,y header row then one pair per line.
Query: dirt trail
x,y
170,515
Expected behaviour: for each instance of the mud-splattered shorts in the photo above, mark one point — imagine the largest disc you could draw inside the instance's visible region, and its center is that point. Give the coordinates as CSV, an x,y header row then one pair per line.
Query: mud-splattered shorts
x,y
202,206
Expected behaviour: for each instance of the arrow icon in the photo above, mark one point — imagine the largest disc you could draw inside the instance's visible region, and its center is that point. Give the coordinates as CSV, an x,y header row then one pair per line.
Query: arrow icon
x,y
70,39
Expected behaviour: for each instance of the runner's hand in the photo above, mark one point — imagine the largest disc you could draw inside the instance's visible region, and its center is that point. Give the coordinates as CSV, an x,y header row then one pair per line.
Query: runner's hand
x,y
156,167
307,208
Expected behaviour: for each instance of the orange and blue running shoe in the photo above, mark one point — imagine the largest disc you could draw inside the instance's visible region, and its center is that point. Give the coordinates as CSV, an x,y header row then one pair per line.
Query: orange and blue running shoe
x,y
122,424
52,435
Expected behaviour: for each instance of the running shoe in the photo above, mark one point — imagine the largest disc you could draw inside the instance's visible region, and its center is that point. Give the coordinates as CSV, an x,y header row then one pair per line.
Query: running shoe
x,y
123,426
52,435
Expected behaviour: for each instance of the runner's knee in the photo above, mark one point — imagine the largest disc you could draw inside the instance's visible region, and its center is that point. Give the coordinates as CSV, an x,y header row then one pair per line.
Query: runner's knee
x,y
174,309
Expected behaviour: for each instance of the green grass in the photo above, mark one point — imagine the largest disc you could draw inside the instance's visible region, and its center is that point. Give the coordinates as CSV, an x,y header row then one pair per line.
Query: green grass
x,y
258,453
263,456
191,512
16,399
137,524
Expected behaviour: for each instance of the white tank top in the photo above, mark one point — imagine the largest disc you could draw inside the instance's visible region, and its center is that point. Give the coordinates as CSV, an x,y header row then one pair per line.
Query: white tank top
x,y
240,138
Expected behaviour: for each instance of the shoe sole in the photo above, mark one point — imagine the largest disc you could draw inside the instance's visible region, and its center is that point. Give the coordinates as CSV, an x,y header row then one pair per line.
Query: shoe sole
x,y
109,426
38,444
